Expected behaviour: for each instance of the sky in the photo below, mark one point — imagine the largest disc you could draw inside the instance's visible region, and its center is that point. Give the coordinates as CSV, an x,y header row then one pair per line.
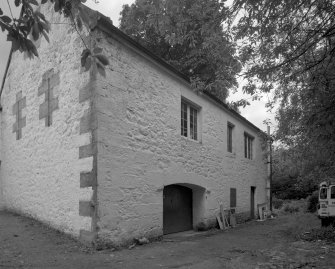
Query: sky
x,y
255,113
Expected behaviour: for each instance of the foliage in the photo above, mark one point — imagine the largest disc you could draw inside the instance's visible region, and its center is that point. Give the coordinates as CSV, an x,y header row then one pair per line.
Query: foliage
x,y
313,201
277,203
32,24
326,234
290,49
289,180
189,35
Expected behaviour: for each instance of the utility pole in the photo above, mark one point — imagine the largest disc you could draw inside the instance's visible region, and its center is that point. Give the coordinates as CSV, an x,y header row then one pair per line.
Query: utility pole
x,y
270,167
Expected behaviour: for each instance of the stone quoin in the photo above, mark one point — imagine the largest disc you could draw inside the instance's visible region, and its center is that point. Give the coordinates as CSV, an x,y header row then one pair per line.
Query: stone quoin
x,y
135,153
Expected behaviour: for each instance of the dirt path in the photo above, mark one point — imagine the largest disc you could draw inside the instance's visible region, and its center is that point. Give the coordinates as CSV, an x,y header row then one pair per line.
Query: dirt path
x,y
272,244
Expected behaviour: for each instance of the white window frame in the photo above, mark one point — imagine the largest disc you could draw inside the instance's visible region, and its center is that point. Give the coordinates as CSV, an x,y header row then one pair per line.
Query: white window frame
x,y
190,108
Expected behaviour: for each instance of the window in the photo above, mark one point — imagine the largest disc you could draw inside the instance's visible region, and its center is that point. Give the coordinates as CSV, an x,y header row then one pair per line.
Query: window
x,y
332,192
323,193
230,127
189,120
248,139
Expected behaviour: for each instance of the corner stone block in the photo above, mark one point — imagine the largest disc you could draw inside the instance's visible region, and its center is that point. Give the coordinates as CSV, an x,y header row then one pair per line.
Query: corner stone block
x,y
87,237
87,123
86,92
87,179
86,151
86,209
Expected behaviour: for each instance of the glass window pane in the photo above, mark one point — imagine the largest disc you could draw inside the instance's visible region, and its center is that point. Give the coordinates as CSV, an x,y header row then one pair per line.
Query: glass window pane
x,y
332,192
323,193
183,119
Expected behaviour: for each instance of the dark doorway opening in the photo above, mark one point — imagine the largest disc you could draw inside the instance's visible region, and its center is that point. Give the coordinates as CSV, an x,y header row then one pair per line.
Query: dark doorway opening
x,y
177,209
252,202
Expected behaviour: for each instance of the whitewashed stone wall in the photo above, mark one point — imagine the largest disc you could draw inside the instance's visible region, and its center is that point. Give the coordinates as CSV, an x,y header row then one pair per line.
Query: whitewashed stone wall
x,y
40,173
140,149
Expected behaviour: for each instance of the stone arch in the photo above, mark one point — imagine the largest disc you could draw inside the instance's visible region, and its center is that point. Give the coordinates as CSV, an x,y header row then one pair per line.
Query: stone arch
x,y
197,210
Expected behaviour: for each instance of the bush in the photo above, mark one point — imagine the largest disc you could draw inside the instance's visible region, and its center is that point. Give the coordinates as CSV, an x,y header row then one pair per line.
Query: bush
x,y
277,203
313,201
289,208
324,233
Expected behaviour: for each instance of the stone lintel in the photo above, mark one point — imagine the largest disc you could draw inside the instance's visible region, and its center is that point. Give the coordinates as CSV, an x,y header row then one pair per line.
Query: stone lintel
x,y
86,209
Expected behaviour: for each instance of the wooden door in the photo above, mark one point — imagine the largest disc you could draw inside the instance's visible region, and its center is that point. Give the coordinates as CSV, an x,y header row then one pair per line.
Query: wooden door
x,y
252,202
177,209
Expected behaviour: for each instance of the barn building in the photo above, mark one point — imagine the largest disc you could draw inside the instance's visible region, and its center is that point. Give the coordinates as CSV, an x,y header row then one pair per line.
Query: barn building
x,y
134,153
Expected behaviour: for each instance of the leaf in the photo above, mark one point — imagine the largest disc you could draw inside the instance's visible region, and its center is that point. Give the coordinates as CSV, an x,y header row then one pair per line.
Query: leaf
x,y
34,2
97,50
84,55
15,45
44,1
40,15
88,63
36,31
6,19
46,36
57,6
84,15
101,69
102,58
4,27
31,48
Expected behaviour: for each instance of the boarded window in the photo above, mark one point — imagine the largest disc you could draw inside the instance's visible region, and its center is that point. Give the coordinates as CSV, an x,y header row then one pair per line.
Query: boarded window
x,y
232,197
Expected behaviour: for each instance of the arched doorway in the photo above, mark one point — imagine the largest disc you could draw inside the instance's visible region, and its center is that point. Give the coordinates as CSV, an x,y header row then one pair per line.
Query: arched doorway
x,y
177,209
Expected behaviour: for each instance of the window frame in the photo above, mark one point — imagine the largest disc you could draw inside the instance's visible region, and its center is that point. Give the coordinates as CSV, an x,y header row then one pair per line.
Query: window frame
x,y
248,146
190,126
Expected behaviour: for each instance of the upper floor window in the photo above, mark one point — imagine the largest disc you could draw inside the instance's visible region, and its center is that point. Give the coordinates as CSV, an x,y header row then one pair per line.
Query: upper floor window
x,y
248,140
230,128
189,120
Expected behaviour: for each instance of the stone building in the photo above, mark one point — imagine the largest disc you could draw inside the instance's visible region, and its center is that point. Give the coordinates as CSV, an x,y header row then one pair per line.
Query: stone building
x,y
134,153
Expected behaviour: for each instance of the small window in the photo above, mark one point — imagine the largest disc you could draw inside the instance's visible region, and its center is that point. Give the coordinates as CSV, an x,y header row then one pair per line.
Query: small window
x,y
232,197
248,140
332,192
189,120
323,193
230,127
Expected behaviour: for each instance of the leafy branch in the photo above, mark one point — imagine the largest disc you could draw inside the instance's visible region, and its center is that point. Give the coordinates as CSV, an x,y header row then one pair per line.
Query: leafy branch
x,y
32,24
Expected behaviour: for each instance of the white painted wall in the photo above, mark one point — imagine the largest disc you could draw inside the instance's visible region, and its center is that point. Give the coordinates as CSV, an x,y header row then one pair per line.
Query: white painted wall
x,y
140,149
40,173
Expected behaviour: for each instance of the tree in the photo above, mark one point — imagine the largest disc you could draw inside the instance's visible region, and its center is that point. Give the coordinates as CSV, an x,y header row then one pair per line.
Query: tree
x,y
32,24
288,47
188,34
